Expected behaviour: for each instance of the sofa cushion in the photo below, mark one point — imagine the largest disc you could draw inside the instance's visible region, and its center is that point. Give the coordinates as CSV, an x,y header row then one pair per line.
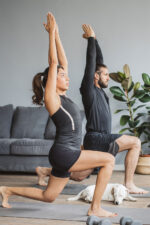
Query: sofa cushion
x,y
5,145
31,147
29,122
6,113
50,130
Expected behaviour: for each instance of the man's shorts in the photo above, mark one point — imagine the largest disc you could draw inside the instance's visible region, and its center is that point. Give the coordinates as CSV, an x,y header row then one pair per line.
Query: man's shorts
x,y
101,142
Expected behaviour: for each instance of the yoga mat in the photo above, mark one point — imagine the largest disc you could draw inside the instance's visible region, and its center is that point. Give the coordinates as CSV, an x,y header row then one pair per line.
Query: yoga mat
x,y
74,189
70,189
69,212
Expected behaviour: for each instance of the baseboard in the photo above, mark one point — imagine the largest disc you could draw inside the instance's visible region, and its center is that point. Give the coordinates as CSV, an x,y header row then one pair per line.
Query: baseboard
x,y
119,167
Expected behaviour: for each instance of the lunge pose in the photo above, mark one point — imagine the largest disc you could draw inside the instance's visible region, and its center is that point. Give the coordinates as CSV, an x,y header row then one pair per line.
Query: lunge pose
x,y
66,116
98,114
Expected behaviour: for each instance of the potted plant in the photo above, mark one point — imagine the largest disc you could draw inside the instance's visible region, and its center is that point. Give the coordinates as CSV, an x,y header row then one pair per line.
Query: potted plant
x,y
135,97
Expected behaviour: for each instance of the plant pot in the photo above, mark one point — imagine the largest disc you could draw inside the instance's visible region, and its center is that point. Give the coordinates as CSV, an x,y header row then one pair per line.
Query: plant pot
x,y
143,165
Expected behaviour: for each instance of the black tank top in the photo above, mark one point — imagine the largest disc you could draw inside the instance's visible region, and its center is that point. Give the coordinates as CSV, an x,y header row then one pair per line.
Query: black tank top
x,y
68,124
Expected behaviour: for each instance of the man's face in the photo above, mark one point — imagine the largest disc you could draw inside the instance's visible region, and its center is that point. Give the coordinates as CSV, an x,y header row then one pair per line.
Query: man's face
x,y
103,77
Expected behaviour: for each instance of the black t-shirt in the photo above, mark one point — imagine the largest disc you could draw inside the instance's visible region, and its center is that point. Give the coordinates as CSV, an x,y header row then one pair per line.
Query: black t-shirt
x,y
95,100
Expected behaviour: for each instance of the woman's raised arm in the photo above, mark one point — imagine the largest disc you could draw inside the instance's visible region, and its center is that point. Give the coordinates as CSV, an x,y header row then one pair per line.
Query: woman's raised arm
x,y
62,59
51,98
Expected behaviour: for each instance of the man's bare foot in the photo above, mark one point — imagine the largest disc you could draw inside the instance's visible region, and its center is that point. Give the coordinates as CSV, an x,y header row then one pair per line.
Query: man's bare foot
x,y
101,213
41,176
88,31
135,190
5,195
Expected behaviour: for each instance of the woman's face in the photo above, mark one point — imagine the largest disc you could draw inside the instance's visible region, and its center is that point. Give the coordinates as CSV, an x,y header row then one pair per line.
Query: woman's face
x,y
62,80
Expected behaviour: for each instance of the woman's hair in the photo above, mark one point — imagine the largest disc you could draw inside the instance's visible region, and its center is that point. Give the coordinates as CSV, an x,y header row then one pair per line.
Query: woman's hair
x,y
39,84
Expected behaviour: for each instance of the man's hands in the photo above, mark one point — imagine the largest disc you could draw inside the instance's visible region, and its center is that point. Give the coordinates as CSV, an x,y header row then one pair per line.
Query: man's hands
x,y
51,26
88,31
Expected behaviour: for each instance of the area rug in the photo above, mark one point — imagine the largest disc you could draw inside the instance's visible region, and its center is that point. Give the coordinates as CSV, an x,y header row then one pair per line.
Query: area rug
x,y
69,212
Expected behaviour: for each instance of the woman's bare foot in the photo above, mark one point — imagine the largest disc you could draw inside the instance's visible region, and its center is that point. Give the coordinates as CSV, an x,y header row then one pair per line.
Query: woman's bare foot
x,y
88,31
101,213
135,190
41,176
5,195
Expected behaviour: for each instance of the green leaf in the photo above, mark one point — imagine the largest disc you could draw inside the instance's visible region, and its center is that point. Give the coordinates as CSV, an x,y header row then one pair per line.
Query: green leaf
x,y
133,124
140,115
147,89
123,130
131,87
121,99
126,70
146,79
136,86
146,124
140,106
145,98
139,93
131,103
126,83
115,77
124,119
120,110
117,91
121,75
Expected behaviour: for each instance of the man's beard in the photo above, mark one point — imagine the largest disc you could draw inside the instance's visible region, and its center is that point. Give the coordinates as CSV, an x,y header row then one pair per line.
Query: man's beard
x,y
101,84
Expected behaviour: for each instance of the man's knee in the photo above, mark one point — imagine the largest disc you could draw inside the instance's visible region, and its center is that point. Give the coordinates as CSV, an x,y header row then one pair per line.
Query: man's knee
x,y
127,142
136,143
76,178
80,176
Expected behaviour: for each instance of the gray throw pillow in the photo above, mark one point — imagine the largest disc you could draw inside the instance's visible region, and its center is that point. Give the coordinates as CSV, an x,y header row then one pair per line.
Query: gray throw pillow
x,y
6,113
29,122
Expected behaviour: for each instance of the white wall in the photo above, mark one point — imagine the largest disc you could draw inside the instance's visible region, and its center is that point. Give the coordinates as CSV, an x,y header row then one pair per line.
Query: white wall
x,y
122,27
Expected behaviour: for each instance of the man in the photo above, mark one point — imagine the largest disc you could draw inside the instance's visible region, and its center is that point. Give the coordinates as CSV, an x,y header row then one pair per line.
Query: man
x,y
97,111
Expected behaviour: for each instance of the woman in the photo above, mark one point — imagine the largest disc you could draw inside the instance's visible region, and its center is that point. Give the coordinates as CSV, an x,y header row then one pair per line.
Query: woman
x,y
66,117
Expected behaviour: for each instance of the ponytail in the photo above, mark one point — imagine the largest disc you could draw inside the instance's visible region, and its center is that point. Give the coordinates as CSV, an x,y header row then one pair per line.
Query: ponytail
x,y
37,88
39,84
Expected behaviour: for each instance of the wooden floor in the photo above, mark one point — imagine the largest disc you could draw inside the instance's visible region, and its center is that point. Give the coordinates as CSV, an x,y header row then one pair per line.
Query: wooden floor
x,y
29,180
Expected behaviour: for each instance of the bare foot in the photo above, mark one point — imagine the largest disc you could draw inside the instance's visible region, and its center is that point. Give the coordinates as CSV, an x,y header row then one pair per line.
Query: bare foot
x,y
5,195
101,213
135,190
41,176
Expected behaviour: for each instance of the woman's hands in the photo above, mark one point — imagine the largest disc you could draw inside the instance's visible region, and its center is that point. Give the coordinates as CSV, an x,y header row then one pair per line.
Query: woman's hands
x,y
88,31
51,25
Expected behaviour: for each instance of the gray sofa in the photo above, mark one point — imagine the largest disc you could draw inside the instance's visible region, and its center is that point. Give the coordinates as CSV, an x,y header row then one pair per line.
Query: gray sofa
x,y
26,136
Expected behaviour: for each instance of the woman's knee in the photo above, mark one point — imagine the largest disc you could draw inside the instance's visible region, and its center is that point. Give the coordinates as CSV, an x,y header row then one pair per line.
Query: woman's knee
x,y
50,197
110,161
